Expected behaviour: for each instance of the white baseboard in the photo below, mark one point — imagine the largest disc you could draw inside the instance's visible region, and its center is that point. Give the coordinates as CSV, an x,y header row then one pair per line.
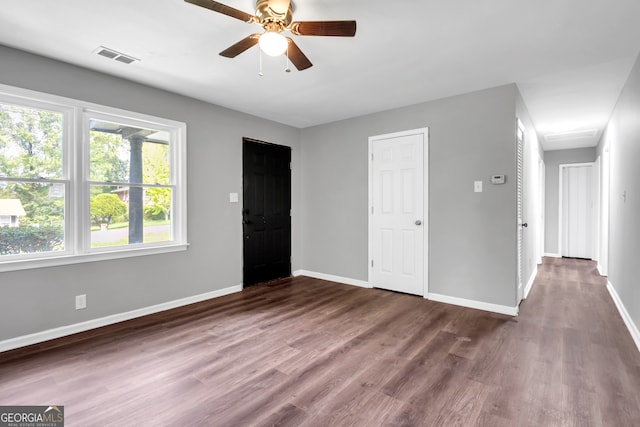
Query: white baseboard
x,y
601,270
628,321
501,309
479,305
553,255
332,278
532,279
63,331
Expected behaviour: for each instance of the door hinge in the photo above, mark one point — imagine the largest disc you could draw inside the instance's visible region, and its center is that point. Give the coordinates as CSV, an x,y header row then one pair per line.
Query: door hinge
x,y
372,157
371,263
371,210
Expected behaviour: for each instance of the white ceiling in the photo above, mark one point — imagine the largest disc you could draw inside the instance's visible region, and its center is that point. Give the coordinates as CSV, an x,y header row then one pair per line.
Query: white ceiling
x,y
570,58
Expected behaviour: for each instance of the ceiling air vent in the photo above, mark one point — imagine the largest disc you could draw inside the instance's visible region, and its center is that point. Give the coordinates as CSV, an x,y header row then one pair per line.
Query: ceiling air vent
x,y
574,134
112,54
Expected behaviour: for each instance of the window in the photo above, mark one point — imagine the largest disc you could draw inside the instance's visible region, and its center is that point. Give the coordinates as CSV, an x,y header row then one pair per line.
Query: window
x,y
130,184
82,182
33,178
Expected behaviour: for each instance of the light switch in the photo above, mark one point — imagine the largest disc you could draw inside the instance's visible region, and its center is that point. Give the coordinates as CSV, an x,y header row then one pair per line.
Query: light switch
x,y
233,197
477,186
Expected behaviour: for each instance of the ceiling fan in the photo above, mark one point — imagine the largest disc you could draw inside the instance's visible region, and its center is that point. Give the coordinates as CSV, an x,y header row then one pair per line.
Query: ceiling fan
x,y
276,16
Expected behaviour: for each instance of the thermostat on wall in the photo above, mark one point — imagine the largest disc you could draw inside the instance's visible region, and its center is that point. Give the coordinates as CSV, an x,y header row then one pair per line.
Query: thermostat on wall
x,y
497,179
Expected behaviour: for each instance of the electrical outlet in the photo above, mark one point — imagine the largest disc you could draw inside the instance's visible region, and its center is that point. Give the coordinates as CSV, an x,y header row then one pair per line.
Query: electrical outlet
x,y
81,302
477,186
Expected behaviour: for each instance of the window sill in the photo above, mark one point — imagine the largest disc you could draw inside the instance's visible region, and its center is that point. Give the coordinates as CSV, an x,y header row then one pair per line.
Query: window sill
x,y
54,261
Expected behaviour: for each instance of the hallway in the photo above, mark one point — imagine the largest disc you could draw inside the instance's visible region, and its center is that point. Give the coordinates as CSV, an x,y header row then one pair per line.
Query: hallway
x,y
586,365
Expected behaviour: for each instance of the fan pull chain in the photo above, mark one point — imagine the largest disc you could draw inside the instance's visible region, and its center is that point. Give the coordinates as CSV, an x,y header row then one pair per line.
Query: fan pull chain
x,y
287,69
260,73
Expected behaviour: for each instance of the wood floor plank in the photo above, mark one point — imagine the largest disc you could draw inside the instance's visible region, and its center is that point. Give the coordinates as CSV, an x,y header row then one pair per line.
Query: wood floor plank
x,y
412,376
304,352
580,408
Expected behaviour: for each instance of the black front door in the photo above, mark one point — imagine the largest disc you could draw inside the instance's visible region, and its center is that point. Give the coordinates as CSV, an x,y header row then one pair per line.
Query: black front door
x,y
266,214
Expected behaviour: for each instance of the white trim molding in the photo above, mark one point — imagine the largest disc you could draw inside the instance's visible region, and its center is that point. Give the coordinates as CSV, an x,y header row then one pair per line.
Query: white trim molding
x,y
600,269
332,278
63,331
628,321
532,279
478,305
550,255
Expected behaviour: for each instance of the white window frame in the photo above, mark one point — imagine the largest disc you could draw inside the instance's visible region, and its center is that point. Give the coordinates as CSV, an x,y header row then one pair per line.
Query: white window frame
x,y
76,180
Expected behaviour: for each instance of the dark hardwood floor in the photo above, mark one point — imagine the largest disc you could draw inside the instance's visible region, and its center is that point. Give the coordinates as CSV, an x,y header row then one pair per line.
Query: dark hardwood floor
x,y
304,352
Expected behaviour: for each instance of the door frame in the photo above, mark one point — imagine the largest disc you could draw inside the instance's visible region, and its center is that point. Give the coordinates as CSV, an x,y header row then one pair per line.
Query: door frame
x,y
541,207
597,168
561,168
425,201
603,226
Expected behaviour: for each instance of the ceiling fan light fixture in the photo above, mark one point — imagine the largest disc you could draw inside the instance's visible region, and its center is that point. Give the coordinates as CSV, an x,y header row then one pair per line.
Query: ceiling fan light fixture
x,y
273,43
276,16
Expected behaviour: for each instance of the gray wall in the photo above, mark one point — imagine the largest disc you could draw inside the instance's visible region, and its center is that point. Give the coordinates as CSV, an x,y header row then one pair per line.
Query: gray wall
x,y
41,299
553,160
623,133
471,235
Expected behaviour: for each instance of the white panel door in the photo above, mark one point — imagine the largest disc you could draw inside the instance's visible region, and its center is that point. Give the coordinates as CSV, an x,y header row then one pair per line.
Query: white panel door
x,y
398,222
577,211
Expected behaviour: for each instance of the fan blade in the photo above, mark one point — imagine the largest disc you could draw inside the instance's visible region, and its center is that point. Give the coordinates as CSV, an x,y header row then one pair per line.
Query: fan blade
x,y
279,6
241,46
324,28
296,56
224,9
